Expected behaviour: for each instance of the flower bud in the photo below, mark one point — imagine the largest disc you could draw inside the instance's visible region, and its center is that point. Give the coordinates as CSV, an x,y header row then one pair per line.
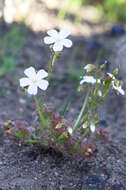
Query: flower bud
x,y
115,72
102,66
90,68
85,125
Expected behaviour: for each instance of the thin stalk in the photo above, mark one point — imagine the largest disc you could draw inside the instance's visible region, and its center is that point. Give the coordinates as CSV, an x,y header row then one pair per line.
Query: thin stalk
x,y
51,66
42,119
99,100
82,110
94,105
85,133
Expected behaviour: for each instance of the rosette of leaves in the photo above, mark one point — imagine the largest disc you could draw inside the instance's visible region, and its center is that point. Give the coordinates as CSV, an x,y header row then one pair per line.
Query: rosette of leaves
x,y
58,135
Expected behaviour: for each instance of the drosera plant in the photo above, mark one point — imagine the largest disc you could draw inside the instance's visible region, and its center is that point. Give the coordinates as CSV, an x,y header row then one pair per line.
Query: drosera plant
x,y
75,138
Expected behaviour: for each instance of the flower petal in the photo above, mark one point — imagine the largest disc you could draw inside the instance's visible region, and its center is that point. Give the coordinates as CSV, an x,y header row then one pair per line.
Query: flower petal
x,y
32,89
88,79
82,81
30,72
58,46
25,82
43,84
111,75
64,33
41,74
121,91
52,33
67,43
49,40
118,88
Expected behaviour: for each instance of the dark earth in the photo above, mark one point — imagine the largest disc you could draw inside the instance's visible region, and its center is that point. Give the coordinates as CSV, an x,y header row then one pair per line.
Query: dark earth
x,y
26,167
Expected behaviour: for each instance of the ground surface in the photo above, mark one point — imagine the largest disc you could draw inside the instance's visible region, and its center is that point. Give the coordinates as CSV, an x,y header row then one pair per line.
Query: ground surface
x,y
23,167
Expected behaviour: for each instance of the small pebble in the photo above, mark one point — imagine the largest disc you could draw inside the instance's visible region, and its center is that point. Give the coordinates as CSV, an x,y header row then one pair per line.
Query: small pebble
x,y
118,187
56,174
93,182
94,45
35,178
22,101
21,110
117,30
103,123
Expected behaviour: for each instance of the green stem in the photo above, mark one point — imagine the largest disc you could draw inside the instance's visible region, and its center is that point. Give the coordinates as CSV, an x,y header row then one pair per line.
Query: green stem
x,y
82,110
95,104
82,137
51,66
42,101
100,99
42,119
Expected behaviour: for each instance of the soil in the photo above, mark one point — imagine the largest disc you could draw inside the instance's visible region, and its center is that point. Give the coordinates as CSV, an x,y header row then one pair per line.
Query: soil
x,y
25,167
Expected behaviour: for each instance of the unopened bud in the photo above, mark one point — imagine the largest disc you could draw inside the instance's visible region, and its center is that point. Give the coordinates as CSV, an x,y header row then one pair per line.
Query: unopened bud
x,y
85,125
115,72
102,66
90,68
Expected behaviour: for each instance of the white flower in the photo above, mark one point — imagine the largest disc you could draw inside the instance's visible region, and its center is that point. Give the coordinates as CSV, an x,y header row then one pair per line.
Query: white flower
x,y
116,85
58,39
34,80
92,127
89,79
118,88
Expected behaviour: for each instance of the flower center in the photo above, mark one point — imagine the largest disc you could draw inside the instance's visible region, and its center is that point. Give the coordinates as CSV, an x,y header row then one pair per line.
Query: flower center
x,y
59,37
34,80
